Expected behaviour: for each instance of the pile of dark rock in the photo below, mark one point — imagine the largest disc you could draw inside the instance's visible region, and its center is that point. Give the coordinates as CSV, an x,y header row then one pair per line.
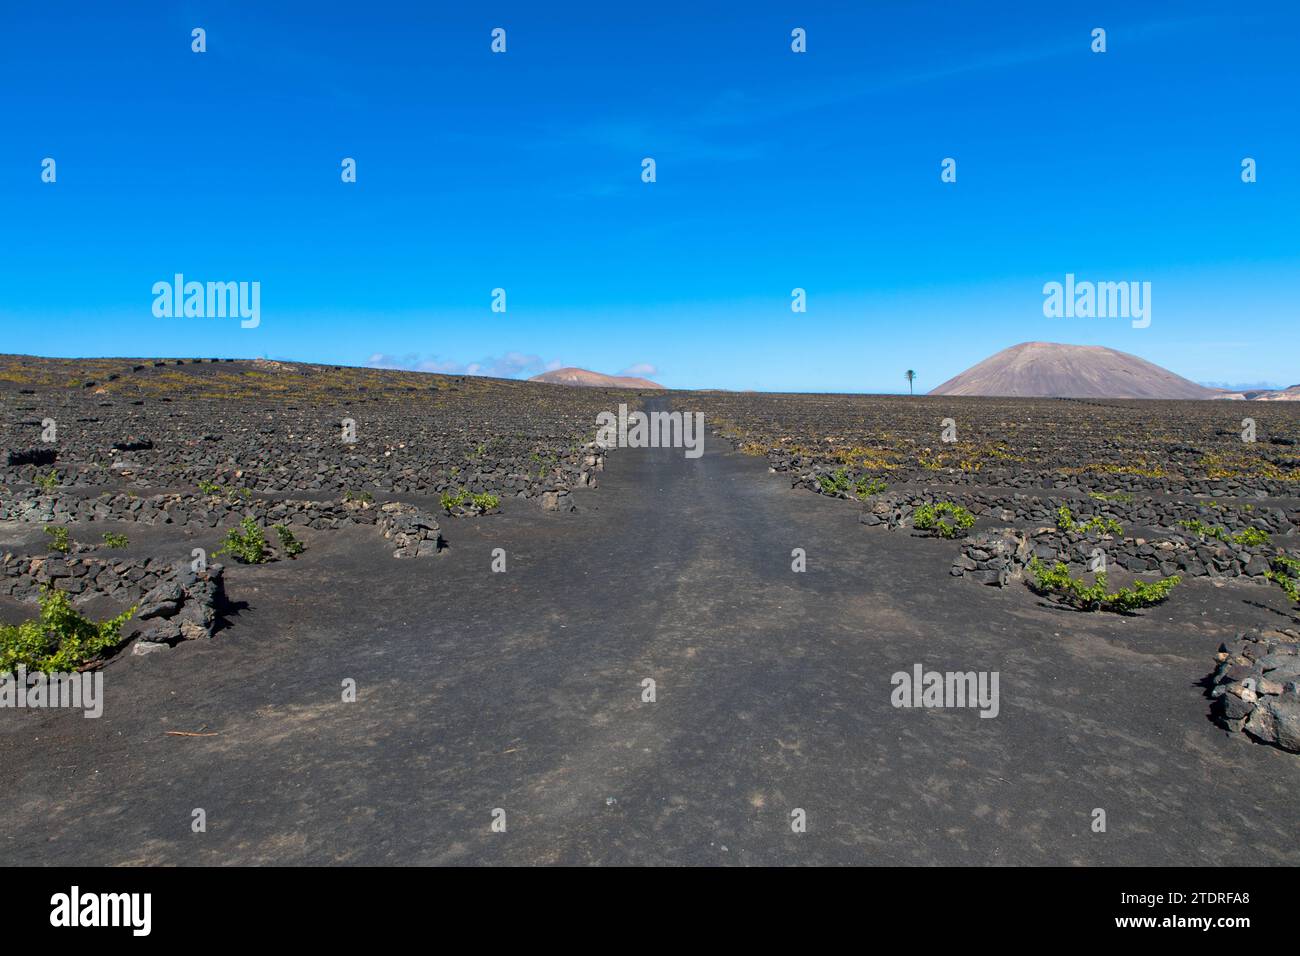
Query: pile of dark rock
x,y
556,496
415,533
892,509
593,460
184,606
995,557
1256,687
558,499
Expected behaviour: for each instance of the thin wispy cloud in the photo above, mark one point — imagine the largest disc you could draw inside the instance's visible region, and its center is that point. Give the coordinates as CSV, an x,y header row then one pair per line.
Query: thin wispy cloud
x,y
738,108
690,133
509,365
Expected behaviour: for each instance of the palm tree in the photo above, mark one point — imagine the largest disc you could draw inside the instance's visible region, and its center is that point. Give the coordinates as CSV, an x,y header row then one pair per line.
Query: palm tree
x,y
910,375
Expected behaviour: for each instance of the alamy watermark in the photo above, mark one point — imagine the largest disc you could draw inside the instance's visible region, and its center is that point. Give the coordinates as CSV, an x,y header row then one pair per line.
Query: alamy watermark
x,y
922,688
651,430
38,690
212,300
75,908
1098,300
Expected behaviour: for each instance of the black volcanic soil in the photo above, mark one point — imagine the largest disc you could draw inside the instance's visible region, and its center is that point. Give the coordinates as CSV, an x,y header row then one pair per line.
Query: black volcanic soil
x,y
522,690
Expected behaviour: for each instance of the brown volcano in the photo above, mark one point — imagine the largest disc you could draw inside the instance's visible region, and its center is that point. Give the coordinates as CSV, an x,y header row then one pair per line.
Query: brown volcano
x,y
1050,370
581,376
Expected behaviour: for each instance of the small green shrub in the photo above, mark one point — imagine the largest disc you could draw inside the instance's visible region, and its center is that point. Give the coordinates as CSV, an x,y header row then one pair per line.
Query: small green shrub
x,y
58,538
839,481
866,487
835,482
1285,573
1077,593
365,496
1110,496
60,639
46,482
1065,522
212,488
930,518
547,464
1251,537
485,501
288,543
247,543
1202,530
1104,524
113,539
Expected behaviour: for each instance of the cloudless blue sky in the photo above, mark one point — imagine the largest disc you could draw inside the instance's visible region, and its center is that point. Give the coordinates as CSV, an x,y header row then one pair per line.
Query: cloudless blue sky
x,y
775,170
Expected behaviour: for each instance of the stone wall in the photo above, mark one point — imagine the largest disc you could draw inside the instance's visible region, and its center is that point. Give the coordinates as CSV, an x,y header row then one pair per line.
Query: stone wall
x,y
1171,551
41,508
173,602
1256,687
1036,510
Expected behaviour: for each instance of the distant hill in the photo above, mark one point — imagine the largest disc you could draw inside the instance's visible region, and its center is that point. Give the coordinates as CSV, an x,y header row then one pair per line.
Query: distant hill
x,y
581,376
1291,394
1050,370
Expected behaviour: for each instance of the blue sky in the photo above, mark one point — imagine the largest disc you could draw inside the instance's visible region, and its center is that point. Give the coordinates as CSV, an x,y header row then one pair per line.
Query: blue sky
x,y
775,170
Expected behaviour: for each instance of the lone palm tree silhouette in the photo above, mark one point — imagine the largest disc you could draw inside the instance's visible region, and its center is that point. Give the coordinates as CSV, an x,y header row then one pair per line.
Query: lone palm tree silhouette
x,y
910,375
